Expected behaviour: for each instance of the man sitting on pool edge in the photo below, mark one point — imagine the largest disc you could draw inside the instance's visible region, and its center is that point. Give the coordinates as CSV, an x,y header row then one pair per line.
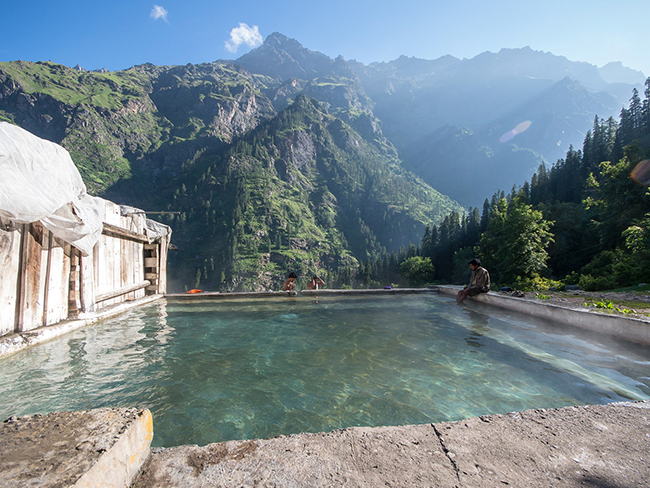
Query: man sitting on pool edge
x,y
479,282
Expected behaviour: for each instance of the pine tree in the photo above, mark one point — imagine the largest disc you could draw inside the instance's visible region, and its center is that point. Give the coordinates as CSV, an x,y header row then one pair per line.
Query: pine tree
x,y
636,114
588,154
646,108
486,214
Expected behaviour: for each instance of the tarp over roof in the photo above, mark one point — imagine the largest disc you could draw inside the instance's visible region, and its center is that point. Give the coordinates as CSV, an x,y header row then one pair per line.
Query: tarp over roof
x,y
39,181
152,229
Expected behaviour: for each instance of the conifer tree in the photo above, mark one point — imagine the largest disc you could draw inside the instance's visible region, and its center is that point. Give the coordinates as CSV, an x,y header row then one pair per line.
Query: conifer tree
x,y
646,107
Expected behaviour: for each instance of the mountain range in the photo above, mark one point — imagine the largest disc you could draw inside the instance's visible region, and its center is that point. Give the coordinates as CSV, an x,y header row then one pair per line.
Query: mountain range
x,y
446,117
286,159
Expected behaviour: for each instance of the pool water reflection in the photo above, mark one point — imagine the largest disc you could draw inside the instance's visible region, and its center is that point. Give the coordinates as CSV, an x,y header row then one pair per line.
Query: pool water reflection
x,y
239,369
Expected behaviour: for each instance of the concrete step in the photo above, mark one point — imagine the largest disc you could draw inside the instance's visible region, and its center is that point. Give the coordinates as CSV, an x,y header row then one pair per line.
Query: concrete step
x,y
97,448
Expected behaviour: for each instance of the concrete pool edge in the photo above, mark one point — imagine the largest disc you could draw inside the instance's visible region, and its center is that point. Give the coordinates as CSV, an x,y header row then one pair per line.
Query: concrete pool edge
x,y
307,293
15,342
104,447
602,444
627,328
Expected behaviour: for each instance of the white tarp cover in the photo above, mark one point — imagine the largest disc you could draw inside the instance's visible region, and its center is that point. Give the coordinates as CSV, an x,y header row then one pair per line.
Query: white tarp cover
x,y
39,181
153,230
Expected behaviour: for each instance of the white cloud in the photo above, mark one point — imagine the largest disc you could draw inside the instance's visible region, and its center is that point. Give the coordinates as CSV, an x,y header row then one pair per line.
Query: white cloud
x,y
244,35
158,12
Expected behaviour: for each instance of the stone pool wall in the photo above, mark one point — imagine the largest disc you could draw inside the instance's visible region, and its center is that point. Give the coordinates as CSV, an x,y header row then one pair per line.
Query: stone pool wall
x,y
628,328
598,445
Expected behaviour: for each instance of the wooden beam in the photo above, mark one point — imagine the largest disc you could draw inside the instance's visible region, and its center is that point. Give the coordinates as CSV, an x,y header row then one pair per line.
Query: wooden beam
x,y
46,293
121,291
20,282
74,285
118,232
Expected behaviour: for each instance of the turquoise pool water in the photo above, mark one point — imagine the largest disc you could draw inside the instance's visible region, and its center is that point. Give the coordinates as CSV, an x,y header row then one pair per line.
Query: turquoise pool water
x,y
218,370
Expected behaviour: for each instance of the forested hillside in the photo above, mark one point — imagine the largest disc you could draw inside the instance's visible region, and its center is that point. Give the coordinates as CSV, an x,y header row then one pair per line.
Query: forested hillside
x,y
584,221
302,192
260,191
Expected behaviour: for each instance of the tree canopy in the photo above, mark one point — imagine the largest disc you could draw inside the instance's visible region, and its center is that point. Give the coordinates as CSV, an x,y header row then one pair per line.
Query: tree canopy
x,y
584,220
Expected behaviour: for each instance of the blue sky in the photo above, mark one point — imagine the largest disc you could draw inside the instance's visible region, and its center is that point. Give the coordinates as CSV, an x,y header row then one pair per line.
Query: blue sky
x,y
118,34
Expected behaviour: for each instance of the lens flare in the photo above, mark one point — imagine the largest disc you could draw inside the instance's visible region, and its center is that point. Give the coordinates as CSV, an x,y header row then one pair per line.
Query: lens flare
x,y
641,173
517,130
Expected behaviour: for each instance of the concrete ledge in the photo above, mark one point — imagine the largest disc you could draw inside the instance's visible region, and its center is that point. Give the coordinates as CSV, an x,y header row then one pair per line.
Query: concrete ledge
x,y
215,295
309,293
627,328
15,342
597,446
103,448
377,291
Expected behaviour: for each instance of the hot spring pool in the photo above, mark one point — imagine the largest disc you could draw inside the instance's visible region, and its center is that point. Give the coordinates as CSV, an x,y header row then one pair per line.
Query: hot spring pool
x,y
218,370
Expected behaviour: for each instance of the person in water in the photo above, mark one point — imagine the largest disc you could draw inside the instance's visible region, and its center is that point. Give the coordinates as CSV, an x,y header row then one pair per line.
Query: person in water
x,y
479,282
290,282
314,283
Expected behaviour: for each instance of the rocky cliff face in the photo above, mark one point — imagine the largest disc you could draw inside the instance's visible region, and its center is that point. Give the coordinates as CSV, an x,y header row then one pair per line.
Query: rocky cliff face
x,y
302,192
216,100
115,124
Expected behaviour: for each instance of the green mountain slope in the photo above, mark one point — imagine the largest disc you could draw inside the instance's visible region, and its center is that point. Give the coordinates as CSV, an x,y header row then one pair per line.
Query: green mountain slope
x,y
315,187
101,118
146,117
302,192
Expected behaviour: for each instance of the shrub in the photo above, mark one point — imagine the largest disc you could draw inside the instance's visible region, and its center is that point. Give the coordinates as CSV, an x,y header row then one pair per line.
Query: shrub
x,y
596,283
536,283
572,279
417,270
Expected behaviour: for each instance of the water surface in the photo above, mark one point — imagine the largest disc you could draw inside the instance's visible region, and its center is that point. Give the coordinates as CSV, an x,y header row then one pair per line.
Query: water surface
x,y
239,369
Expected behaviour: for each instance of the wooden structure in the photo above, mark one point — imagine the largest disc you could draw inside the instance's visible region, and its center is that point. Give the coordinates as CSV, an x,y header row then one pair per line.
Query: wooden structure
x,y
45,280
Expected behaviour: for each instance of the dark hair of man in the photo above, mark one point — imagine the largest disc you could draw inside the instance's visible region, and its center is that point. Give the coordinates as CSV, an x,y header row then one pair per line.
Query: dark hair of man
x,y
293,275
475,262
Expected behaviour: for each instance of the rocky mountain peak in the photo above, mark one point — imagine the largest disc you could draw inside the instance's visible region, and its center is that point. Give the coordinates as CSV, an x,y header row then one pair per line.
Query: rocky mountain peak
x,y
283,58
615,72
281,41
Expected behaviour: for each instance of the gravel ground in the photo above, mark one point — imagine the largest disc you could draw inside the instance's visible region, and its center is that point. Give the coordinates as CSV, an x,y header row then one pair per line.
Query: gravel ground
x,y
579,298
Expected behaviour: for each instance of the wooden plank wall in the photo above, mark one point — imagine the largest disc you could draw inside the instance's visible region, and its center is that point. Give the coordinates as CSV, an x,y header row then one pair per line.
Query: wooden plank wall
x,y
44,280
58,279
119,262
10,265
30,258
